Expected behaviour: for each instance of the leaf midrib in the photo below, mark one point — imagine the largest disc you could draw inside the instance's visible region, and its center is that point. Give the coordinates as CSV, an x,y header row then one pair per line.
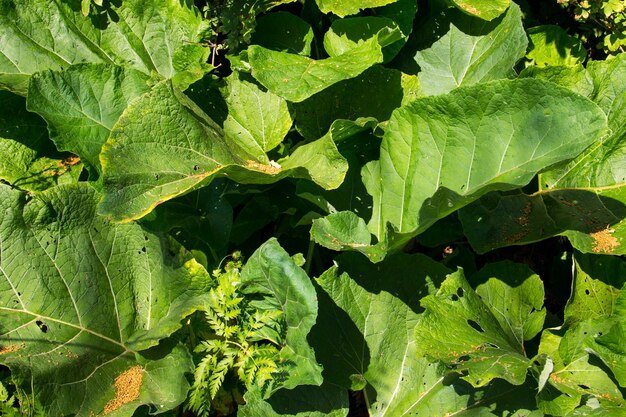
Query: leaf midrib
x,y
72,325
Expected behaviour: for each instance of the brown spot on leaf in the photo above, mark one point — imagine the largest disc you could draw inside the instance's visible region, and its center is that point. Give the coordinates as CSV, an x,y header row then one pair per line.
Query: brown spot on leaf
x,y
62,166
127,386
514,237
556,378
71,160
523,219
10,348
604,241
268,169
473,10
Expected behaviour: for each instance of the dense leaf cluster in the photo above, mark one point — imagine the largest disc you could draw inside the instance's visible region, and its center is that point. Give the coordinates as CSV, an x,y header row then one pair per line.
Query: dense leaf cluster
x,y
454,174
604,20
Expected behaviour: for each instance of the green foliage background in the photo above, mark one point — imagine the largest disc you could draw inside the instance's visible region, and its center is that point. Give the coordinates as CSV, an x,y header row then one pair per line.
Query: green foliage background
x,y
312,208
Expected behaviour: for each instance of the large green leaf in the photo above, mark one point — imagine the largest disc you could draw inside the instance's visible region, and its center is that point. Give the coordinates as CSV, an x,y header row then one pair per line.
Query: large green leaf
x,y
485,9
142,169
81,297
256,128
340,231
482,332
80,119
601,81
441,153
50,34
371,315
595,410
602,167
586,215
347,7
609,90
476,51
597,296
574,77
295,77
584,199
610,348
551,400
371,311
588,353
284,286
28,159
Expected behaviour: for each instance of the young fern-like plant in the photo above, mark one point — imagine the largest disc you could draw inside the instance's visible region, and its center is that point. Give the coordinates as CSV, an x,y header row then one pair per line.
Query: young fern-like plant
x,y
237,344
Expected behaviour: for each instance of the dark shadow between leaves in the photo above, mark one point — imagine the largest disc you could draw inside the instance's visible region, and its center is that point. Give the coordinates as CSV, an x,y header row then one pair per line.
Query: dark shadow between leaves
x,y
27,128
338,344
407,277
307,398
609,269
206,94
281,31
201,220
374,93
102,16
500,397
